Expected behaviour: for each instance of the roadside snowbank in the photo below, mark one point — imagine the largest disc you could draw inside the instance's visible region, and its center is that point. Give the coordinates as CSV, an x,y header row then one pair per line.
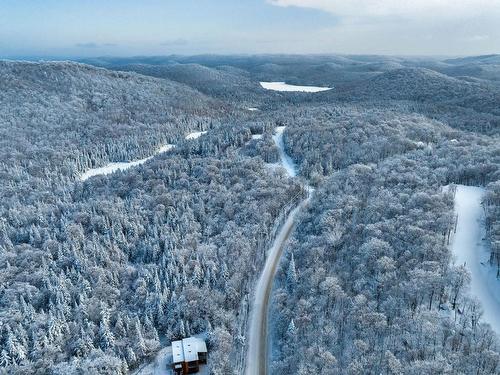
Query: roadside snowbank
x,y
284,87
470,249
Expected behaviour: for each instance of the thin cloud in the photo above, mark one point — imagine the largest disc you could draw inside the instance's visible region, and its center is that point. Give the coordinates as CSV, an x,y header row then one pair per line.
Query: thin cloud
x,y
92,45
404,8
420,27
87,45
174,43
477,38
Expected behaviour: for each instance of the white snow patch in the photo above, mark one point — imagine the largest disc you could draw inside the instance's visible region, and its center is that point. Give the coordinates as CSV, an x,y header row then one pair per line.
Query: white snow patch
x,y
253,109
284,87
256,136
470,249
160,366
112,167
195,135
165,148
286,161
121,166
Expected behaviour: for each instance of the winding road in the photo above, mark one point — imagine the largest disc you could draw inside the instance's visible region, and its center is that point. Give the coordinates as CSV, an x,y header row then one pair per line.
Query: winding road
x,y
256,362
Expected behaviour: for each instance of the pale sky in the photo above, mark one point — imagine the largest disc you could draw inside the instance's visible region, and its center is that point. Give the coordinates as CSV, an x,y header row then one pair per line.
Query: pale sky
x,y
72,28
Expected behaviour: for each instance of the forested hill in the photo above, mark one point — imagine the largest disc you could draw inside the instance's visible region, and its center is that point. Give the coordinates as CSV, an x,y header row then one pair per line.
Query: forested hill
x,y
96,275
223,83
84,87
70,117
417,83
461,92
468,104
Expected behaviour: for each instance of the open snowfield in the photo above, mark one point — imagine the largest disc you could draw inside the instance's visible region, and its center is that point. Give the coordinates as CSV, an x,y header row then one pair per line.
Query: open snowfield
x,y
470,249
284,87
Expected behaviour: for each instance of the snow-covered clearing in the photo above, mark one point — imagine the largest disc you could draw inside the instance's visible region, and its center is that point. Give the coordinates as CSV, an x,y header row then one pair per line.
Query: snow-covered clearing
x,y
195,135
160,365
165,148
256,136
113,167
470,249
284,87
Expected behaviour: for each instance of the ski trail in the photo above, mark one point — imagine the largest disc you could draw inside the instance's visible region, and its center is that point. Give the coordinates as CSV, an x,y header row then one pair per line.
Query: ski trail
x,y
470,249
122,166
286,161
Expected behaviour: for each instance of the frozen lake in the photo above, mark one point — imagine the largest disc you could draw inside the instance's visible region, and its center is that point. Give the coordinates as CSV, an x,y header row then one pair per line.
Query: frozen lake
x,y
285,87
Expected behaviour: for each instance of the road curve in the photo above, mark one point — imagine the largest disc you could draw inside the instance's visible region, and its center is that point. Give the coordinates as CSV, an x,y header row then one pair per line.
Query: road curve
x,y
256,362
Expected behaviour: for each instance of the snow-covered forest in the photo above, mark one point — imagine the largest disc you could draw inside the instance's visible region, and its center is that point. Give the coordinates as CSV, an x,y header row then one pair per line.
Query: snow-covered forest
x,y
97,273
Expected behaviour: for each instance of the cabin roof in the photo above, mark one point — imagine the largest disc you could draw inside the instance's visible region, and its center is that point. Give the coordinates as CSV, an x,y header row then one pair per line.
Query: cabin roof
x,y
177,351
202,346
186,350
190,346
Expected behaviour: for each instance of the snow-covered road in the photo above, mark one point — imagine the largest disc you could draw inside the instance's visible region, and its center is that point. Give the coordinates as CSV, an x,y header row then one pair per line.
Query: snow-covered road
x,y
256,362
470,249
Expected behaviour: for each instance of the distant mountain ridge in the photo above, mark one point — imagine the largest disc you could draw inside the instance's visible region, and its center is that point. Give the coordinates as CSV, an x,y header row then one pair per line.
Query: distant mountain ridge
x,y
221,83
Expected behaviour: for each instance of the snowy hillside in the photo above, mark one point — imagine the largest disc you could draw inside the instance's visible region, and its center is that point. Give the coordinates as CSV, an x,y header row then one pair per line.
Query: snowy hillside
x,y
208,224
